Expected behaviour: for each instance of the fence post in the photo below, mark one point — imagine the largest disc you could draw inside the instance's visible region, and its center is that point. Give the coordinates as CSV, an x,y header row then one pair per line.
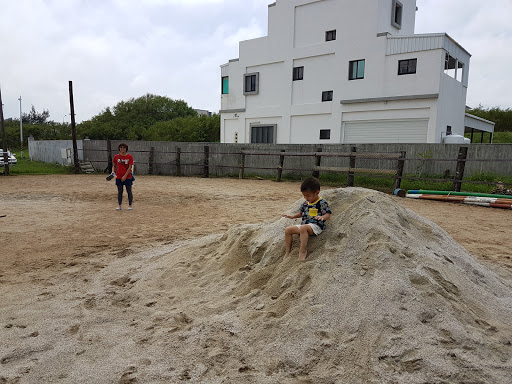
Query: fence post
x,y
206,161
399,170
178,162
151,160
109,156
241,165
459,171
318,159
351,165
280,167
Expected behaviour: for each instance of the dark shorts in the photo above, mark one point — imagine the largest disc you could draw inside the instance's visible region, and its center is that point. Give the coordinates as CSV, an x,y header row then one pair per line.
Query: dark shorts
x,y
126,182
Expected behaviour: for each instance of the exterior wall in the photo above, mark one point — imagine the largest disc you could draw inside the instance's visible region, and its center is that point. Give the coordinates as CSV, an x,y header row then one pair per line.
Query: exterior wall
x,y
234,99
54,151
408,18
318,75
306,128
451,98
425,81
271,92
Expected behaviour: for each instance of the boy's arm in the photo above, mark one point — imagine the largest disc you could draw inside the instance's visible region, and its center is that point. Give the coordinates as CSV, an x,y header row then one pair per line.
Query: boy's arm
x,y
325,217
296,216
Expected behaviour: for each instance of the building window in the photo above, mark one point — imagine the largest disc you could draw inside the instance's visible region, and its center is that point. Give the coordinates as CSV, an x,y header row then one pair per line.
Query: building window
x,y
325,134
225,85
298,73
406,67
396,14
453,67
356,70
251,83
263,134
460,71
327,96
330,35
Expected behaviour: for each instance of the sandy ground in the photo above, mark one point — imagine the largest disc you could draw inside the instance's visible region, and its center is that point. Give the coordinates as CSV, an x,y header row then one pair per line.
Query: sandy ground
x,y
52,221
60,233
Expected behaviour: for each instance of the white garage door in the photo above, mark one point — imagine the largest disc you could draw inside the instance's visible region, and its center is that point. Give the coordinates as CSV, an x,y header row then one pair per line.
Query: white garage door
x,y
386,131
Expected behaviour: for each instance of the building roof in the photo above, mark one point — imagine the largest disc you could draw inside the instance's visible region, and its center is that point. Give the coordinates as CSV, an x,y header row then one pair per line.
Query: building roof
x,y
475,122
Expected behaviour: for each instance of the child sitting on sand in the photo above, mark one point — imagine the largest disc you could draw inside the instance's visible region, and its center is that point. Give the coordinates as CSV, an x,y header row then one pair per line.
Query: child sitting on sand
x,y
314,212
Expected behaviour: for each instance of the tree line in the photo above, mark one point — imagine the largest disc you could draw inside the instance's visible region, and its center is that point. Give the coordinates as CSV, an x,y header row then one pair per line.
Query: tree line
x,y
158,118
149,117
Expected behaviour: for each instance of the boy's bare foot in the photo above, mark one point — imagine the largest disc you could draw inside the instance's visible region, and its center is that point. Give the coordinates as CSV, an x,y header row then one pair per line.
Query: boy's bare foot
x,y
302,255
286,254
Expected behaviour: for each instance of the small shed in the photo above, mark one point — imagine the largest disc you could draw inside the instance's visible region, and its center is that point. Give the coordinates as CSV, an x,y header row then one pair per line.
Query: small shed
x,y
474,123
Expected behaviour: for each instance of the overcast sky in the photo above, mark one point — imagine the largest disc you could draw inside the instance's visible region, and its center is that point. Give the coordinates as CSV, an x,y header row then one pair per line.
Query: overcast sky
x,y
115,50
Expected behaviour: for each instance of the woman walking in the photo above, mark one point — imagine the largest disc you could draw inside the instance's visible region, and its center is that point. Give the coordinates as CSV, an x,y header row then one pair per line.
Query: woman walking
x,y
123,166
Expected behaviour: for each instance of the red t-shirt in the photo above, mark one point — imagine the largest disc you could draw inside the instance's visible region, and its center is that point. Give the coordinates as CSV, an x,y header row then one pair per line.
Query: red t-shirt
x,y
123,162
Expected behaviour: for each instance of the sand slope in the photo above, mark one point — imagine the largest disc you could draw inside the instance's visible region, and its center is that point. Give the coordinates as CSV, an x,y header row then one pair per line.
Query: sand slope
x,y
385,296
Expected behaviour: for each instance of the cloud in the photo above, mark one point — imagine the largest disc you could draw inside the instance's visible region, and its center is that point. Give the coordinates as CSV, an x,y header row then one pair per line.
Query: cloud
x,y
114,50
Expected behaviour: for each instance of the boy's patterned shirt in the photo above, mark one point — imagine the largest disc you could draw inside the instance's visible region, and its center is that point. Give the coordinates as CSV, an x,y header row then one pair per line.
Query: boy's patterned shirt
x,y
309,211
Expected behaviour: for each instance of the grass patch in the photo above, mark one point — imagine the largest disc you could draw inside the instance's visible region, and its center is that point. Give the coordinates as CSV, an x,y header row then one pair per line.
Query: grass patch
x,y
497,137
26,166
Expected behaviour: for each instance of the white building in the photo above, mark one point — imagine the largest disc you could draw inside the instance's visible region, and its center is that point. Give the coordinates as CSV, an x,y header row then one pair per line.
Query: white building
x,y
203,112
344,71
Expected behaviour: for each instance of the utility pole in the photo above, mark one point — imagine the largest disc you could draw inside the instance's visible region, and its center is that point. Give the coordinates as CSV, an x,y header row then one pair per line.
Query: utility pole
x,y
4,140
73,128
21,130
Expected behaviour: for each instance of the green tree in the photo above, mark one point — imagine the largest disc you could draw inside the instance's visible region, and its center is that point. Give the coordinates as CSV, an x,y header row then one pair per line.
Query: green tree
x,y
131,119
34,117
38,126
186,129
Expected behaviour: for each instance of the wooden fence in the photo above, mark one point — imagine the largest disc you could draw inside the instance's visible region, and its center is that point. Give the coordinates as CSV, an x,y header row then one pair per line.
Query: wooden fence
x,y
394,171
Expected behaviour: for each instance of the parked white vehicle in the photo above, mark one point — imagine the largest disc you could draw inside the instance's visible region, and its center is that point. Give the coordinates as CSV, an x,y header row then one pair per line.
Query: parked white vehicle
x,y
12,159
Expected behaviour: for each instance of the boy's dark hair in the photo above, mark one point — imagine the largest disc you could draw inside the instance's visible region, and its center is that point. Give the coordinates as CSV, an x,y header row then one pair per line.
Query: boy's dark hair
x,y
311,184
123,145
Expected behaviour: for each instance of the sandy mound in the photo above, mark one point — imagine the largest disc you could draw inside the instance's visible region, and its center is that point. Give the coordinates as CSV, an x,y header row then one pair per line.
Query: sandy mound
x,y
385,296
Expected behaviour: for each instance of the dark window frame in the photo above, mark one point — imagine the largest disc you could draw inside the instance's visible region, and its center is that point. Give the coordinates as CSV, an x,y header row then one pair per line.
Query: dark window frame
x,y
222,85
327,96
351,69
325,134
407,66
254,87
298,73
397,11
330,35
266,132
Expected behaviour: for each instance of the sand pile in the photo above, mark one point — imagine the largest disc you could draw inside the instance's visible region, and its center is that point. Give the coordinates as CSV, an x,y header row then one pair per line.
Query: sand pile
x,y
385,296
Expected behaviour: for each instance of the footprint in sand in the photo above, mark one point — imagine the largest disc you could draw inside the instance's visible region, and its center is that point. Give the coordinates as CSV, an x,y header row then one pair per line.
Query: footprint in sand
x,y
129,376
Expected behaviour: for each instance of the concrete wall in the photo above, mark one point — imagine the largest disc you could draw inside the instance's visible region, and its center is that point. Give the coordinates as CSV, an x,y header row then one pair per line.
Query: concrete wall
x,y
223,156
54,151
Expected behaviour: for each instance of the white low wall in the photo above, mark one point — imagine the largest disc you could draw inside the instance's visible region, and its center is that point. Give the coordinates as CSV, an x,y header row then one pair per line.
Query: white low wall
x,y
54,151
